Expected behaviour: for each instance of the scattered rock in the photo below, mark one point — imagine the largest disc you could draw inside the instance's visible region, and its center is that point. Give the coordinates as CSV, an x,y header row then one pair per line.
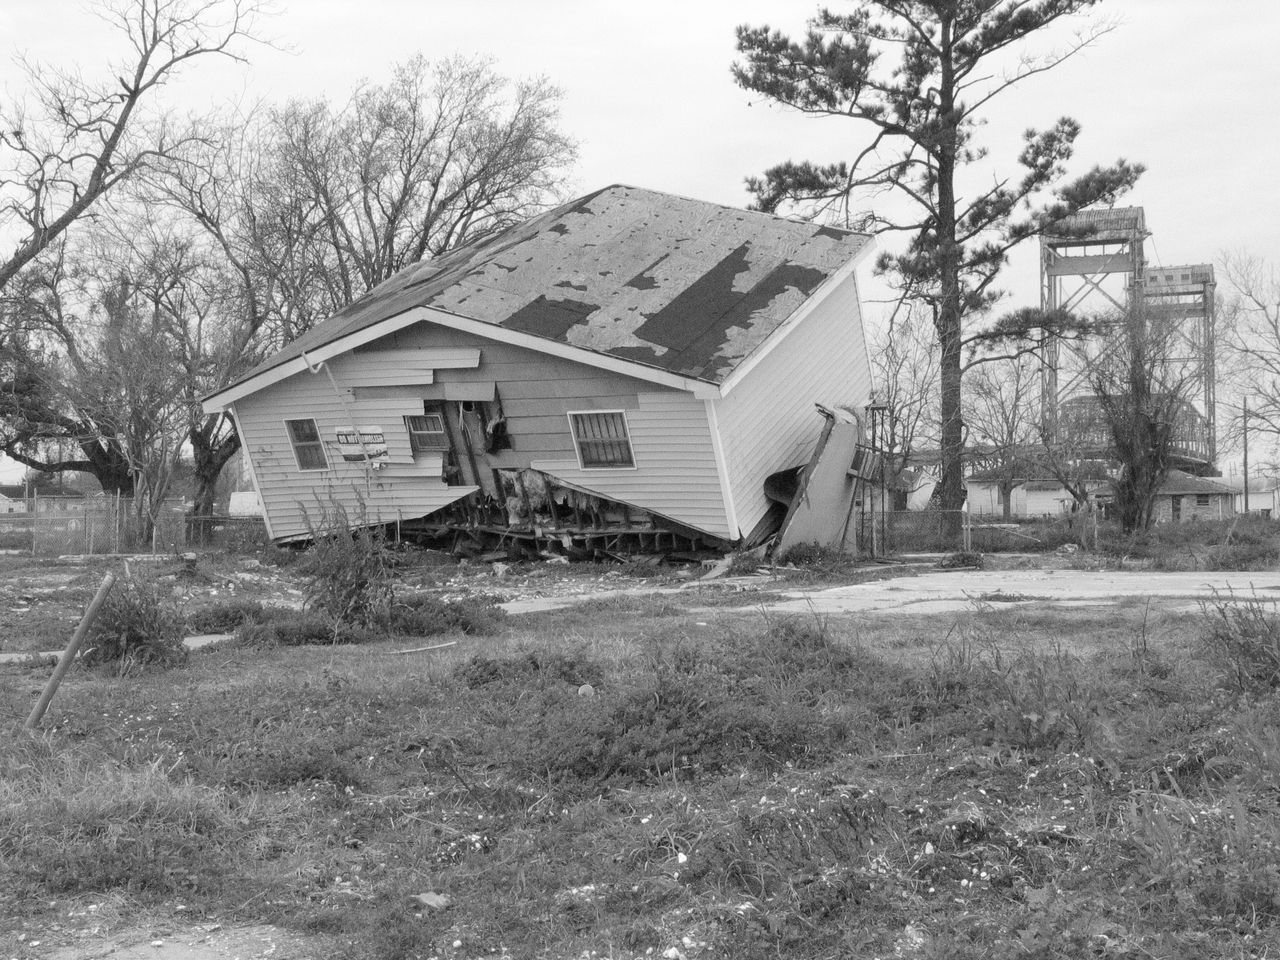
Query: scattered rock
x,y
436,901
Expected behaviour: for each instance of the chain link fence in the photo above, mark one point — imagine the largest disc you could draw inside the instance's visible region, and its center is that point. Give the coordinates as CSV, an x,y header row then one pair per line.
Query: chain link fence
x,y
53,527
898,532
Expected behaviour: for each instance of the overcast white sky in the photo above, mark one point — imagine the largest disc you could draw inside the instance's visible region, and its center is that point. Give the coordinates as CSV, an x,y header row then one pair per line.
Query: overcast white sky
x,y
1188,87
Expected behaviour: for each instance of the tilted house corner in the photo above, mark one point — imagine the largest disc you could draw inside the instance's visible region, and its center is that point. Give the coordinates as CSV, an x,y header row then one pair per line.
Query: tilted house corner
x,y
629,362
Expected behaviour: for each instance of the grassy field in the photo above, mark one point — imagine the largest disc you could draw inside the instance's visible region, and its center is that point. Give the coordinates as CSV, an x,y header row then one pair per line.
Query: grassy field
x,y
640,778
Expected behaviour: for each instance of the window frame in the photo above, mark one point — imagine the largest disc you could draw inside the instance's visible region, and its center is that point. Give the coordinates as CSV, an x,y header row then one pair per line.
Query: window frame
x,y
317,443
443,433
577,440
1204,500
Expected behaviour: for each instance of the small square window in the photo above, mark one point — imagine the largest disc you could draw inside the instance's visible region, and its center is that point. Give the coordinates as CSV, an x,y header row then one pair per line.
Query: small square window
x,y
427,433
602,440
1202,500
308,448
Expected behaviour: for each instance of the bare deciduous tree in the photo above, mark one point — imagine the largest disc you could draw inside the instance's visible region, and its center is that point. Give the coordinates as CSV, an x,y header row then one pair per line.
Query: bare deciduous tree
x,y
904,365
309,206
73,140
1249,338
1002,416
440,155
1143,390
94,364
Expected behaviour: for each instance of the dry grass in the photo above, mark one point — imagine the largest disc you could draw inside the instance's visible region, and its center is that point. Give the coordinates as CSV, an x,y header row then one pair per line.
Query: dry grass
x,y
1007,783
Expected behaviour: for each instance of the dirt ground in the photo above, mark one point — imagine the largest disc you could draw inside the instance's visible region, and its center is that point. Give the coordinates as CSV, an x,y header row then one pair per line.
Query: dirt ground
x,y
104,929
41,601
212,941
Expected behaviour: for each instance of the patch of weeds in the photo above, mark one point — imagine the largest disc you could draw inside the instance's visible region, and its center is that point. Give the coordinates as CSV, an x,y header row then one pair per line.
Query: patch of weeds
x,y
300,761
816,561
228,615
962,560
1043,702
138,624
693,714
575,668
302,630
1215,861
791,647
72,821
425,615
1241,638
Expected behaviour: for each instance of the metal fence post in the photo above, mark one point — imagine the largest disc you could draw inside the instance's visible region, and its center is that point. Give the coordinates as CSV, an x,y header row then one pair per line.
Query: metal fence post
x,y
69,654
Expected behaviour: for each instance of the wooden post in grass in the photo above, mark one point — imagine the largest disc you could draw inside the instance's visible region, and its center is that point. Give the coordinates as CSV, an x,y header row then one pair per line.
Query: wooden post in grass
x,y
69,654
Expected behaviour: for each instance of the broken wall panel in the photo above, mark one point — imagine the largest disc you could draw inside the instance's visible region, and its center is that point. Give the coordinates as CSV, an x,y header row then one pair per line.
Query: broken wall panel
x,y
768,421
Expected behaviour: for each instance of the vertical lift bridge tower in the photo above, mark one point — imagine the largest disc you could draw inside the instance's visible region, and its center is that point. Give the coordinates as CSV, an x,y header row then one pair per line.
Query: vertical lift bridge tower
x,y
1094,262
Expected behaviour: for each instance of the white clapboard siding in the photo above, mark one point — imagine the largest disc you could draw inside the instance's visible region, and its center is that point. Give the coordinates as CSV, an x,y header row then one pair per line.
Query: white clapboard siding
x,y
768,422
401,489
427,358
675,475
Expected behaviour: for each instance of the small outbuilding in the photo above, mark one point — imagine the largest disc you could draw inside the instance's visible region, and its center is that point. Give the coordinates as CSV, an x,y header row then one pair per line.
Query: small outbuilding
x,y
629,363
1185,497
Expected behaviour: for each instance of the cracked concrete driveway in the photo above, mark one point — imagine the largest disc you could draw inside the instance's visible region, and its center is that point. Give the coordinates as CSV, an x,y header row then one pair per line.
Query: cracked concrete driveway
x,y
951,590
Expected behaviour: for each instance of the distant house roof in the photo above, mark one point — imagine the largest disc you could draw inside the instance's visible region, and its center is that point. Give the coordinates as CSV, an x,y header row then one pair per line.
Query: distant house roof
x,y
13,491
1256,484
689,287
1179,483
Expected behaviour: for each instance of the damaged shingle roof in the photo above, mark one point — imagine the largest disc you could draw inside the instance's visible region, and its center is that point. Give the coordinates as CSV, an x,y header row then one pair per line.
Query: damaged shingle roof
x,y
1178,482
683,285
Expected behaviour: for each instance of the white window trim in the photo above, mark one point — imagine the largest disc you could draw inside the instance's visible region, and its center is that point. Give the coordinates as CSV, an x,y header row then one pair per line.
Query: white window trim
x,y
293,446
577,450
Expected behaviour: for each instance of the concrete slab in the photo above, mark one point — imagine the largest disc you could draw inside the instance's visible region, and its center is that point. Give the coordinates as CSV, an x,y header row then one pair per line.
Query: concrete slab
x,y
951,590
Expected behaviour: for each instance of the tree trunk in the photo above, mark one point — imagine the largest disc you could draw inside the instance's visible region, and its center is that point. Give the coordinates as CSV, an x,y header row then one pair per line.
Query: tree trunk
x,y
110,469
208,459
1006,497
951,483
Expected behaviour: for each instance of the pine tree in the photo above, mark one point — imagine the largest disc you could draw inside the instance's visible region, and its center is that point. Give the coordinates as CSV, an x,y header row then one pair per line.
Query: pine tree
x,y
918,75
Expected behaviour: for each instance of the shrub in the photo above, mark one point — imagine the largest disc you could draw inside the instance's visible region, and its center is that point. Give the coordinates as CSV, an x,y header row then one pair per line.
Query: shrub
x,y
745,563
347,570
962,559
137,624
1242,638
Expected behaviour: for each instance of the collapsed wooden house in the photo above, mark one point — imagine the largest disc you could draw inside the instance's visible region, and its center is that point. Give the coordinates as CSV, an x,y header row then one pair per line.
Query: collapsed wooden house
x,y
623,372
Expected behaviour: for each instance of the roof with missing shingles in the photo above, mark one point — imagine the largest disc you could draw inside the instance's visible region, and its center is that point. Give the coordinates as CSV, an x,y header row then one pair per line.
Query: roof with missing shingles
x,y
683,285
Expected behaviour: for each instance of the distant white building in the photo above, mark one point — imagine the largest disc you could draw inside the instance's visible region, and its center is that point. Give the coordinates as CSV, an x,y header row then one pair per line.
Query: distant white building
x,y
1264,494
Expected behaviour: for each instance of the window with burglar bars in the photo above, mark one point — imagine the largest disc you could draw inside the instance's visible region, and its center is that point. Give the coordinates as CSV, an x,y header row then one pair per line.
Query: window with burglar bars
x,y
602,440
308,448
